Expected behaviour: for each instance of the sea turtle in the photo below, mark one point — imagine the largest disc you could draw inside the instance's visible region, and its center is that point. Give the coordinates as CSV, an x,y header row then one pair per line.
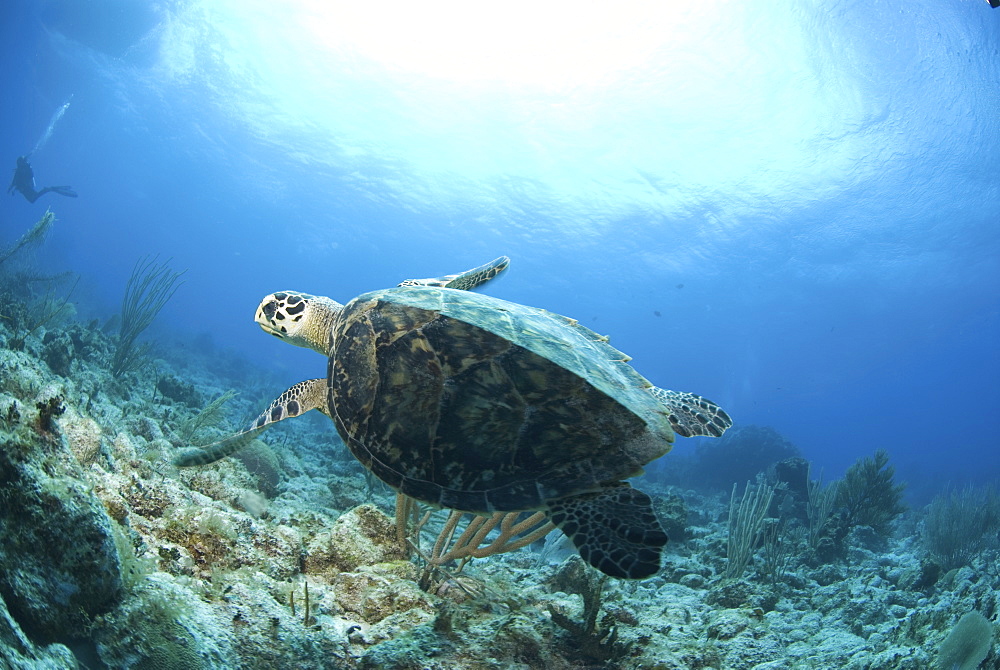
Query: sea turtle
x,y
477,404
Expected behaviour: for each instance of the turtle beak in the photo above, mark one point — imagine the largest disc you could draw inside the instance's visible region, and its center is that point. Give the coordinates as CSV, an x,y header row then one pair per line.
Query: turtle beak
x,y
269,317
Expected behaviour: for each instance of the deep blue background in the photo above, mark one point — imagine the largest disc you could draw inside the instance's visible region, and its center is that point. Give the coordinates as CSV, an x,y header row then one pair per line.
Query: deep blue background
x,y
792,208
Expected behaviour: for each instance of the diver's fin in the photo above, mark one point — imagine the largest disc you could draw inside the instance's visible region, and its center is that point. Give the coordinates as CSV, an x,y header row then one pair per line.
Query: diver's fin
x,y
63,190
299,399
614,529
467,280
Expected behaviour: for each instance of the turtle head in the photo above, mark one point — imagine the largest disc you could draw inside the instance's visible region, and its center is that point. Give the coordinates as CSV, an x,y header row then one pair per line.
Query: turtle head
x,y
299,318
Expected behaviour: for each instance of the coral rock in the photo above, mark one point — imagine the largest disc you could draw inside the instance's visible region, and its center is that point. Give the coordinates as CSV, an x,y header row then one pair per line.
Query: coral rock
x,y
58,563
373,594
83,435
361,536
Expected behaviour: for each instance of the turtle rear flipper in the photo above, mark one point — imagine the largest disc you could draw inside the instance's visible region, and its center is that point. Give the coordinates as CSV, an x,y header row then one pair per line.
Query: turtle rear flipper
x,y
217,450
614,529
691,414
464,281
299,399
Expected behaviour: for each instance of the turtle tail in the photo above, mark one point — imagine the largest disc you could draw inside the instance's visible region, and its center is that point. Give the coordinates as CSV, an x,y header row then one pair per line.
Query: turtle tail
x,y
614,529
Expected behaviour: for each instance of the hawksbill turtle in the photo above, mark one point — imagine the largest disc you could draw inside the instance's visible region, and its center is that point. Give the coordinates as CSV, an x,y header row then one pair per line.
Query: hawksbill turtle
x,y
480,405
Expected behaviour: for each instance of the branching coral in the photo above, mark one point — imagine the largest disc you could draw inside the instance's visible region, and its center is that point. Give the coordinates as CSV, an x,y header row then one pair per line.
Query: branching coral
x,y
962,524
818,508
868,496
513,531
35,235
593,642
148,289
746,521
212,415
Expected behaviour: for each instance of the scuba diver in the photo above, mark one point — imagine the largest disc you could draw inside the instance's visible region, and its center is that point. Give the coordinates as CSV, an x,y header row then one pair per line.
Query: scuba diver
x,y
24,181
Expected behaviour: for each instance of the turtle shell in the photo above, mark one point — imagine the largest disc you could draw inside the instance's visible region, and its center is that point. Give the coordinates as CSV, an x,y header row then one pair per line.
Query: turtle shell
x,y
478,404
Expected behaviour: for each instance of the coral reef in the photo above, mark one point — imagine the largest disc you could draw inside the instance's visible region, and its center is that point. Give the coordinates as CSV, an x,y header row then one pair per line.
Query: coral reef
x,y
285,556
740,455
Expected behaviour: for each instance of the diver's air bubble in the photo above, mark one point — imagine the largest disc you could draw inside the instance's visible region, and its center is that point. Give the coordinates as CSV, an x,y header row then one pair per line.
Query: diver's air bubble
x,y
58,114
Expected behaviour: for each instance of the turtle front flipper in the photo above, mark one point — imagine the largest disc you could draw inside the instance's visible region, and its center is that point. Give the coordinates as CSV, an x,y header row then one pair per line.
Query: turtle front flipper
x,y
614,529
691,414
467,280
299,399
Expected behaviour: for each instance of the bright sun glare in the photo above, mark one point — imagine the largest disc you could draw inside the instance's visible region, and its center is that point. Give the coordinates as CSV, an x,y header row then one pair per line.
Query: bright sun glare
x,y
519,42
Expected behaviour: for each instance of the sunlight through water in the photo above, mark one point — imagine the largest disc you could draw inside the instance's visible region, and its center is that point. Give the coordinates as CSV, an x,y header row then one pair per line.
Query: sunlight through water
x,y
691,118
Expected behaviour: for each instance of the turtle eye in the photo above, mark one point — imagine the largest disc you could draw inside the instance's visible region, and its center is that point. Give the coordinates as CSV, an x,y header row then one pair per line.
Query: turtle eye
x,y
269,309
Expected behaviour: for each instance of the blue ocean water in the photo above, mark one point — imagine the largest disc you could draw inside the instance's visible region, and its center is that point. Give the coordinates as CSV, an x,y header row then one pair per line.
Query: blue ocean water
x,y
791,208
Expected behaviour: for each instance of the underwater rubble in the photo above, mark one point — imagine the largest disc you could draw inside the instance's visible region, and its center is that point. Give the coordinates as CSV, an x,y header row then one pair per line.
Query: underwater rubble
x,y
288,556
